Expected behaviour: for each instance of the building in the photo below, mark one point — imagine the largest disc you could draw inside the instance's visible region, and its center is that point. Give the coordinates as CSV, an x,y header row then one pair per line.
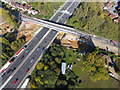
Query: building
x,y
20,6
63,68
112,16
112,9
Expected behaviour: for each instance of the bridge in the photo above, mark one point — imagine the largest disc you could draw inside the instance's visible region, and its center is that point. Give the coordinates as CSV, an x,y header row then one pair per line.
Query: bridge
x,y
97,40
43,40
28,59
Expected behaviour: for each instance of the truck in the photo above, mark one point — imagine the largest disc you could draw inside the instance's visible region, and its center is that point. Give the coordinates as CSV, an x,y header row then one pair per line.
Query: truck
x,y
4,67
21,50
25,83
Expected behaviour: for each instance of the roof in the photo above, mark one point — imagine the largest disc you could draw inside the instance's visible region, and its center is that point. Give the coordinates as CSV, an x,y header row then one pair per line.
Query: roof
x,y
63,67
109,4
112,16
117,20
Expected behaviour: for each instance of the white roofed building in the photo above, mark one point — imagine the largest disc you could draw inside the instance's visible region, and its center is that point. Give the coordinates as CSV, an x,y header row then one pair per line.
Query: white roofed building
x,y
63,68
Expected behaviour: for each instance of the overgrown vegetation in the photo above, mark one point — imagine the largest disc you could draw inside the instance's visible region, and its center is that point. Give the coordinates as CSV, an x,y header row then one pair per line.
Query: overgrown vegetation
x,y
117,62
45,9
11,19
47,73
10,44
90,18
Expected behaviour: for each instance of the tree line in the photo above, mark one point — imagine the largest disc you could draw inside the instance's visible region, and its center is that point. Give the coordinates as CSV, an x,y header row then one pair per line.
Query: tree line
x,y
11,19
45,9
10,44
90,17
47,73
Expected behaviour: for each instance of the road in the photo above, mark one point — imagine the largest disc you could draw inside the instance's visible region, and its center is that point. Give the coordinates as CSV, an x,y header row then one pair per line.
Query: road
x,y
23,64
96,40
18,59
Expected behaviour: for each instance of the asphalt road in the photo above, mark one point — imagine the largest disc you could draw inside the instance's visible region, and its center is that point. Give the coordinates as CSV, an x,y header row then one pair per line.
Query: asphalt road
x,y
18,60
28,64
21,72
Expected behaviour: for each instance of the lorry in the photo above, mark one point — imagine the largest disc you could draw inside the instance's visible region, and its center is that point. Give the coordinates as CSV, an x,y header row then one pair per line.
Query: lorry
x,y
4,67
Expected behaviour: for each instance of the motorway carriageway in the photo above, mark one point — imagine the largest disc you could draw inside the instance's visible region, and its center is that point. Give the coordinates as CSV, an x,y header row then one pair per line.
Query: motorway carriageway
x,y
26,60
19,59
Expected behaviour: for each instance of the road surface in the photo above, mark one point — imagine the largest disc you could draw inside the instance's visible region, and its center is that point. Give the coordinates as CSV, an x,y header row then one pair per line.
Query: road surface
x,y
23,64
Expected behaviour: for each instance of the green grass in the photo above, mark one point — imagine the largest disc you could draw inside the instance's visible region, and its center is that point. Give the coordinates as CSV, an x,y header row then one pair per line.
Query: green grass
x,y
83,75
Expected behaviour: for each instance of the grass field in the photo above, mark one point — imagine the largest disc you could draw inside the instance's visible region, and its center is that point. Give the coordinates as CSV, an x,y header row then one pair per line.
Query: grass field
x,y
71,57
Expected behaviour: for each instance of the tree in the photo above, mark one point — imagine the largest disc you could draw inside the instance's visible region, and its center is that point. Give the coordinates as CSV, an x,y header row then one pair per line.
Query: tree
x,y
11,37
40,65
95,65
62,53
45,67
5,41
58,60
54,53
57,70
14,46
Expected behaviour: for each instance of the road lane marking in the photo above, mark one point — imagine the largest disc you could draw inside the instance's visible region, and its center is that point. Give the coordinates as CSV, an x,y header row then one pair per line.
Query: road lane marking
x,y
56,34
5,83
29,54
64,13
39,58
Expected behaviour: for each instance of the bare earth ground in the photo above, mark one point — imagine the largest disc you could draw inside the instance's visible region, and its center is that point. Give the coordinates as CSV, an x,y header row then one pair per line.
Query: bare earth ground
x,y
27,30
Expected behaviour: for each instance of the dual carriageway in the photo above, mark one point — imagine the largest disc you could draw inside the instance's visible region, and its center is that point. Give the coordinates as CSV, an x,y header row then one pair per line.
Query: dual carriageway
x,y
28,59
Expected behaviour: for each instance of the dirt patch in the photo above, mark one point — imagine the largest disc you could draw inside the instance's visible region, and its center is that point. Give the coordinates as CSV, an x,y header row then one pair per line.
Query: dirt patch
x,y
27,29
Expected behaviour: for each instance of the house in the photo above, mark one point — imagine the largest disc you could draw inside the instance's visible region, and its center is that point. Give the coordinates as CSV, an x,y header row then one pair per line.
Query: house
x,y
117,20
108,13
109,4
20,6
112,16
63,67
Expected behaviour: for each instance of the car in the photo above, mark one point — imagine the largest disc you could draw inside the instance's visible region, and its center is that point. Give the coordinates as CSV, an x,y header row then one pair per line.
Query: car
x,y
43,48
22,57
3,74
15,81
8,71
38,48
45,42
25,46
12,60
54,31
13,69
26,50
27,70
32,60
111,74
